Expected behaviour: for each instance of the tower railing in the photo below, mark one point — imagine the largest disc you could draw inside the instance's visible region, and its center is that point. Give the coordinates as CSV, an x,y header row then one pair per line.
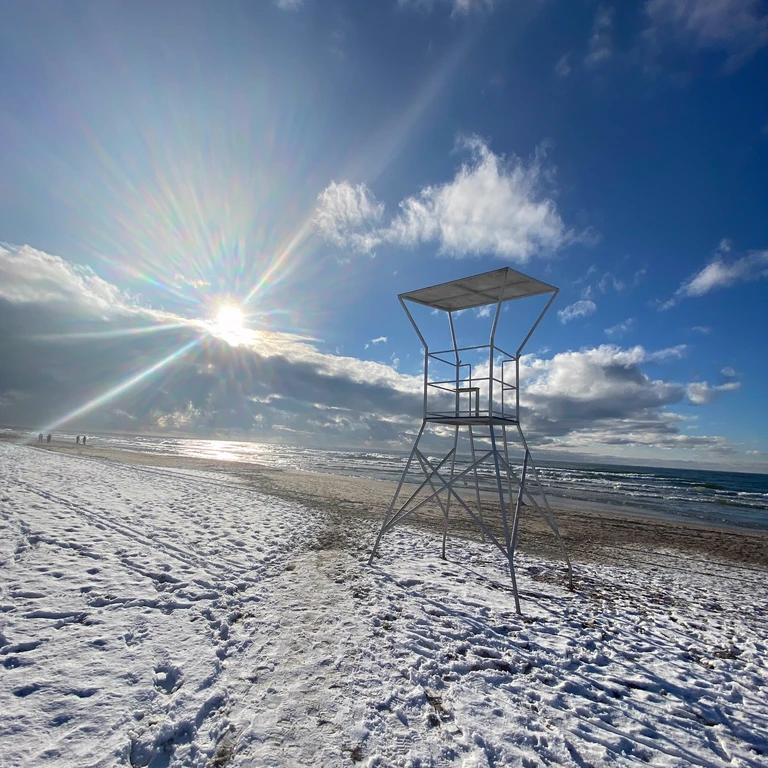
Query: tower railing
x,y
458,391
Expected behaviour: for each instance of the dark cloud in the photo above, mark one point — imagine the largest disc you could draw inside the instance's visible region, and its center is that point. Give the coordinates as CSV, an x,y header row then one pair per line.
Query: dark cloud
x,y
603,396
64,347
69,337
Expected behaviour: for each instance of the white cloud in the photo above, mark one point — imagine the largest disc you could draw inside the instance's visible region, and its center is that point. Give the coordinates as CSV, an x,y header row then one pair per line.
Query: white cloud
x,y
458,7
602,395
736,27
701,329
665,355
754,453
289,5
579,309
701,393
720,273
285,383
563,67
379,340
729,372
608,370
29,276
620,329
601,42
608,281
491,206
345,215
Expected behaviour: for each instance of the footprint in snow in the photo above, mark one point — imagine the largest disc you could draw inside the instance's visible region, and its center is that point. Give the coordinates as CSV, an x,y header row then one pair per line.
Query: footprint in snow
x,y
26,690
168,678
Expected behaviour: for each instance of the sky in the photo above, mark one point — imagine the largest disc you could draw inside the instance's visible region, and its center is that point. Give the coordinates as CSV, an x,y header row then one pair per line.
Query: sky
x,y
306,161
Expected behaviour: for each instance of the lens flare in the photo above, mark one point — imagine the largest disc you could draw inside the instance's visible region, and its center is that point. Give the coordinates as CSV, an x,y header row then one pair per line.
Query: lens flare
x,y
228,323
124,386
229,319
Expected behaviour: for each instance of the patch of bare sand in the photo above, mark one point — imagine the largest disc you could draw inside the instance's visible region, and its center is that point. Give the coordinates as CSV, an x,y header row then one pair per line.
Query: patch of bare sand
x,y
594,536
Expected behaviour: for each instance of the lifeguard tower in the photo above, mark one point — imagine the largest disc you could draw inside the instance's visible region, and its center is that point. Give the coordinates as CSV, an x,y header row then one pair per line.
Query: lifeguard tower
x,y
472,397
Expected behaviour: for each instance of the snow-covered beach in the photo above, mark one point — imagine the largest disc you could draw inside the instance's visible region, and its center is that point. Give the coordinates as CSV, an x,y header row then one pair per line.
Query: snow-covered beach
x,y
174,615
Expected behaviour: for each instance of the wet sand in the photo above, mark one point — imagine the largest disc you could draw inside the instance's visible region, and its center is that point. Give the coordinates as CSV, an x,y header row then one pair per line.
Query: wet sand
x,y
589,535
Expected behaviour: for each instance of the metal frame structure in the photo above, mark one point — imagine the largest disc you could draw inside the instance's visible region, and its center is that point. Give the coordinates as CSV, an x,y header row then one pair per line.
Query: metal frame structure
x,y
482,405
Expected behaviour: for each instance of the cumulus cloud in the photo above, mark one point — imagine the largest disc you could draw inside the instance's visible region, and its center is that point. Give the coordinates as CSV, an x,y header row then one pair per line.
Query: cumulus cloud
x,y
702,329
30,276
728,372
721,273
607,380
701,393
579,309
604,396
601,42
737,28
492,205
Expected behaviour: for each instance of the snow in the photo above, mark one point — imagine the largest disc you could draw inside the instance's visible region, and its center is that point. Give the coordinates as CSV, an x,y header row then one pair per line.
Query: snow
x,y
158,618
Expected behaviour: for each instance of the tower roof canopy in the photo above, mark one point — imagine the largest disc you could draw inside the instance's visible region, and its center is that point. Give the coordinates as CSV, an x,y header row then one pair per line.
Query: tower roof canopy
x,y
479,290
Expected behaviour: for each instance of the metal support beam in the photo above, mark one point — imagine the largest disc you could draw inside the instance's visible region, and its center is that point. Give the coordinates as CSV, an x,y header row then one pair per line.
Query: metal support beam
x,y
439,482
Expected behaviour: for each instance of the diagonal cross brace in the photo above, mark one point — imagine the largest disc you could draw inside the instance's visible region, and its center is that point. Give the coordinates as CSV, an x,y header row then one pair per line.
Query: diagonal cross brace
x,y
449,486
402,512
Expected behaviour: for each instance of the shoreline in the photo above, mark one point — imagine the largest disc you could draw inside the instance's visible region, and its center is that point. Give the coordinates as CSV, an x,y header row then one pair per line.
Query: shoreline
x,y
598,536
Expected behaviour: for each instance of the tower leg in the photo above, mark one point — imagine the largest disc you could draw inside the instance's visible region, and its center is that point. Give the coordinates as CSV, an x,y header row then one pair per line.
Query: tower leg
x,y
444,507
504,519
397,493
440,482
519,504
549,517
477,483
447,507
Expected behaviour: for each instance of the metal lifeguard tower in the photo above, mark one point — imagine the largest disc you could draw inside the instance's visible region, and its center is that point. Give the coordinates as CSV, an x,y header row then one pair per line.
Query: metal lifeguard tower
x,y
476,391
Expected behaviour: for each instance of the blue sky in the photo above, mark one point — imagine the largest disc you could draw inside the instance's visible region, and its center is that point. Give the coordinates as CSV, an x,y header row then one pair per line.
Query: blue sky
x,y
310,160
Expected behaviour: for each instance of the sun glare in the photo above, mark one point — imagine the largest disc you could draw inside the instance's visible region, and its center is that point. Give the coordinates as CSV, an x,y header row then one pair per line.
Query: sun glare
x,y
229,319
229,324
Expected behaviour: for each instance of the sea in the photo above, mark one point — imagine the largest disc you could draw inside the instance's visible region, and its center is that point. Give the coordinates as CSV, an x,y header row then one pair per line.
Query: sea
x,y
732,499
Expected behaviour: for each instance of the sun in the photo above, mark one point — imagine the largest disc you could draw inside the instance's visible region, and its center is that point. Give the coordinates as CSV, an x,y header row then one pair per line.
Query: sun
x,y
228,323
229,319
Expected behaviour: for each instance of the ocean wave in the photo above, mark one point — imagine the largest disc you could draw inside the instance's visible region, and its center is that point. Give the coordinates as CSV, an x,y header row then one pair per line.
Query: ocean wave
x,y
725,497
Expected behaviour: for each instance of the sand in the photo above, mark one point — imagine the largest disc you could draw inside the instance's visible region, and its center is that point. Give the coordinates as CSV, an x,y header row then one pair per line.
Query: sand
x,y
615,537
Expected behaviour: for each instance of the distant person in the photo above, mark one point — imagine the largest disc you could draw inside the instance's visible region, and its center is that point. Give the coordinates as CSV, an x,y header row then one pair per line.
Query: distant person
x,y
48,439
77,440
83,439
40,438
